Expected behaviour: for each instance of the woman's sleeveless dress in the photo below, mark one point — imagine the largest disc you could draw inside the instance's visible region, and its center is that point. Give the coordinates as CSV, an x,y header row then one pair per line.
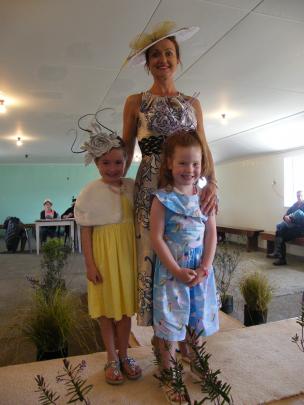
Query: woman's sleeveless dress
x,y
114,254
159,117
175,305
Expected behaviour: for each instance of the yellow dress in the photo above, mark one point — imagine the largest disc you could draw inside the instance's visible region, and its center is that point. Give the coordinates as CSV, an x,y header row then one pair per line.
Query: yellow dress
x,y
115,256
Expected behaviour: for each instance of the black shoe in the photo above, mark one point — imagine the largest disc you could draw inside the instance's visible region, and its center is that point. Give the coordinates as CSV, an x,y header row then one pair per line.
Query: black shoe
x,y
279,262
272,256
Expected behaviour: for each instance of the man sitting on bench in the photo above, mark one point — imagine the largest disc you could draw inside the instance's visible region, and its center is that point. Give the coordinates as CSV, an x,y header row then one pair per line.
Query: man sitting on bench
x,y
292,227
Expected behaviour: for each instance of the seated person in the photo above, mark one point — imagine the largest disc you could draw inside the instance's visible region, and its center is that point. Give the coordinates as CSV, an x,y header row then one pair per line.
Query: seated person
x,y
299,204
14,233
48,213
69,213
292,227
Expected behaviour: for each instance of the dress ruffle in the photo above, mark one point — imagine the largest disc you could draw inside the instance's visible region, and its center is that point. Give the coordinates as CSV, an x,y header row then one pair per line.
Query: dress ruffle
x,y
181,204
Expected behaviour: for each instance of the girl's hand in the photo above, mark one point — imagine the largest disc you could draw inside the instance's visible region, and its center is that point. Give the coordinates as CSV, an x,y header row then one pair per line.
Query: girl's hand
x,y
200,275
208,199
185,275
93,275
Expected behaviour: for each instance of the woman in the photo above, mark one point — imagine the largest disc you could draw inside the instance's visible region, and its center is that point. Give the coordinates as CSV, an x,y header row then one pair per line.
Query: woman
x,y
151,117
48,213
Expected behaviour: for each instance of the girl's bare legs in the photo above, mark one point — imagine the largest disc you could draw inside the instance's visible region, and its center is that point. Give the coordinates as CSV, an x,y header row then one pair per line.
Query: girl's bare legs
x,y
128,365
108,336
167,351
184,351
123,330
107,330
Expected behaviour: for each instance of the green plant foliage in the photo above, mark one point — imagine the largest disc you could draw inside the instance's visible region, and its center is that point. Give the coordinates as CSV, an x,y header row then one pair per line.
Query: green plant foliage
x,y
299,340
49,322
54,258
172,379
46,395
77,388
214,389
217,391
256,290
226,260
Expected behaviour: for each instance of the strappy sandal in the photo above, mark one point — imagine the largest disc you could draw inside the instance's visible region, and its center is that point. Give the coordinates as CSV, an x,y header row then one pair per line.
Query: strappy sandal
x,y
117,377
174,397
185,358
130,368
196,372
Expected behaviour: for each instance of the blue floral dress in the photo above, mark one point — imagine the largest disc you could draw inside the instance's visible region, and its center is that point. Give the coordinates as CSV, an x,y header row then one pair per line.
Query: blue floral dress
x,y
176,305
158,118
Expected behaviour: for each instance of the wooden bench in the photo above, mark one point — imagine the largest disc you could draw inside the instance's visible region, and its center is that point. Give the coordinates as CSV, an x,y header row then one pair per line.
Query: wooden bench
x,y
270,237
251,234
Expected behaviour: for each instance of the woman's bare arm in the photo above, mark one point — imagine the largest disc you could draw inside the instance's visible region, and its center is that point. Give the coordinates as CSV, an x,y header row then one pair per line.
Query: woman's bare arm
x,y
130,118
208,194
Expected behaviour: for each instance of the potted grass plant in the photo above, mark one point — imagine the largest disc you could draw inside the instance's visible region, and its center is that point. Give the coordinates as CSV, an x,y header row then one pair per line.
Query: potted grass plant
x,y
227,258
49,323
257,293
55,315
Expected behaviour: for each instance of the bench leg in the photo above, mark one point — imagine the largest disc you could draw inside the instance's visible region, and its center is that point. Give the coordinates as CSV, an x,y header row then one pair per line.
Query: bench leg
x,y
252,243
270,246
221,236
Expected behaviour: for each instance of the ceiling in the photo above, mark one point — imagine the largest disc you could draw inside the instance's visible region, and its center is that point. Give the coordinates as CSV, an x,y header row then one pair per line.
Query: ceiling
x,y
62,59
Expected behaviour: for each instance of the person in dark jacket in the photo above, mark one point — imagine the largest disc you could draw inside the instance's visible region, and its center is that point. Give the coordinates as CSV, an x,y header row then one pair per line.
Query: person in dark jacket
x,y
292,227
14,233
69,213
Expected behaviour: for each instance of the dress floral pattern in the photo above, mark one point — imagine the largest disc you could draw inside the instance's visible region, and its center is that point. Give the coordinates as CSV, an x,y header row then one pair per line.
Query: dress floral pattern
x,y
175,305
159,117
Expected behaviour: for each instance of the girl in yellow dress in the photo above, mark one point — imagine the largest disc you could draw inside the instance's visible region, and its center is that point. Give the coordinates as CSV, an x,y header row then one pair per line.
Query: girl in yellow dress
x,y
105,212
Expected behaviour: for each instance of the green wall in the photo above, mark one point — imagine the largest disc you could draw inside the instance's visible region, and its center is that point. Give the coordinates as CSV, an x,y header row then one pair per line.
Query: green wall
x,y
23,188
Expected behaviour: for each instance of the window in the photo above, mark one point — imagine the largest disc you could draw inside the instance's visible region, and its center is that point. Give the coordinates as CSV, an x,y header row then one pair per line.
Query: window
x,y
293,178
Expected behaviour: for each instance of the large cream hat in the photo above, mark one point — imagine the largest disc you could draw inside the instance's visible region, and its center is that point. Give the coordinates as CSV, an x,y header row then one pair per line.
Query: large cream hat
x,y
163,30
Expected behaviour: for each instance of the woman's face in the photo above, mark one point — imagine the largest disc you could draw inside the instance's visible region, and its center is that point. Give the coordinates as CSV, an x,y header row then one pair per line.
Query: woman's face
x,y
47,206
162,59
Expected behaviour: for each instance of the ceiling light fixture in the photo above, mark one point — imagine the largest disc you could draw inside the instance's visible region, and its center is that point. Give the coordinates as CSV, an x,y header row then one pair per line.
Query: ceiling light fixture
x,y
19,141
2,106
224,119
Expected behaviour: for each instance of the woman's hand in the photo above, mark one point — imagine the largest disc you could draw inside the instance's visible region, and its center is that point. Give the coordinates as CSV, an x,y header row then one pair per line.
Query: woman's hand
x,y
93,274
208,199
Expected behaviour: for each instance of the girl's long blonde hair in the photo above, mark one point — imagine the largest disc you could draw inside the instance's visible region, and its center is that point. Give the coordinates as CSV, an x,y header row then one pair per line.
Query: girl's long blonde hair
x,y
184,139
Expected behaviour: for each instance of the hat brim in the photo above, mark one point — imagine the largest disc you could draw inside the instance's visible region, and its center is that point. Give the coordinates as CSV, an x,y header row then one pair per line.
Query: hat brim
x,y
47,200
181,35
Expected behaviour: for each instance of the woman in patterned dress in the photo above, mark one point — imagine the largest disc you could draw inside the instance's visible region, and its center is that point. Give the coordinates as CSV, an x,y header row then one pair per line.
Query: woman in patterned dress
x,y
150,117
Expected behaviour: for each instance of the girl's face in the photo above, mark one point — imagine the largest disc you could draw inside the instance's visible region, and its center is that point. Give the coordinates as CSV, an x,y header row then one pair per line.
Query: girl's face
x,y
186,166
111,166
163,60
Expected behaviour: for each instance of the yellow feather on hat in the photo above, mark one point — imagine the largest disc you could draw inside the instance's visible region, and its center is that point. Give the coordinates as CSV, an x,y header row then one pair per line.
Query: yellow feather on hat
x,y
160,30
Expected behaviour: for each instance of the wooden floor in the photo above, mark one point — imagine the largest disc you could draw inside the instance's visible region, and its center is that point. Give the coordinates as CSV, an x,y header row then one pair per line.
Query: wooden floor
x,y
234,350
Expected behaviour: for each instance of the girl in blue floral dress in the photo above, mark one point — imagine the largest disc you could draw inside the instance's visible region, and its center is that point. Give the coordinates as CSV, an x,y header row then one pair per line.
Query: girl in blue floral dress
x,y
184,291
